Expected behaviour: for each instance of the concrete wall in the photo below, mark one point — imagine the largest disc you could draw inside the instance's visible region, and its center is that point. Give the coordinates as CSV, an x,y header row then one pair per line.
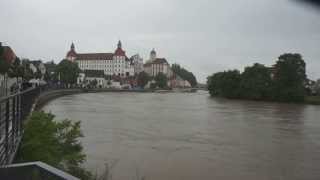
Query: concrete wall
x,y
47,96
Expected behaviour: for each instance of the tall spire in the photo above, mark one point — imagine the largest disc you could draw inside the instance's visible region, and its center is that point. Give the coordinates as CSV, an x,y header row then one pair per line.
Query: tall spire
x,y
119,51
153,51
119,44
71,55
72,46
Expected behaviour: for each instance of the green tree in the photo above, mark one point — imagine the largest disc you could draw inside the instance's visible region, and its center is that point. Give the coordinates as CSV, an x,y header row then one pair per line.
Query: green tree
x,y
316,87
214,84
16,69
289,78
153,85
53,142
38,74
143,79
27,73
47,76
94,83
68,71
161,80
4,65
184,74
225,84
109,83
286,81
256,82
50,74
1,50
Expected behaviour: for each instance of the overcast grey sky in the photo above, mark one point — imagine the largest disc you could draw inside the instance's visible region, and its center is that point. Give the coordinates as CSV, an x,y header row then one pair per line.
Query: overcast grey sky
x,y
205,36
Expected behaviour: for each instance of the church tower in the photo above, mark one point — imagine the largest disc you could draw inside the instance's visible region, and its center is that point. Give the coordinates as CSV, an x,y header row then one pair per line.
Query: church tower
x,y
119,44
72,46
153,55
71,55
119,51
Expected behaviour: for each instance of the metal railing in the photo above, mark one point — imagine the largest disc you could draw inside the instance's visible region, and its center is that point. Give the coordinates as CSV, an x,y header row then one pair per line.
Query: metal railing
x,y
14,109
34,171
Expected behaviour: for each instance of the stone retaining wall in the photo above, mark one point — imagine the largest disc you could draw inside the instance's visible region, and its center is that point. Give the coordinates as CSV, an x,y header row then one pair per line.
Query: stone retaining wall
x,y
47,96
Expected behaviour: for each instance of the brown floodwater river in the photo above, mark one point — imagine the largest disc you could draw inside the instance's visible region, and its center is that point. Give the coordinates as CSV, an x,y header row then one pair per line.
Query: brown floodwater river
x,y
190,136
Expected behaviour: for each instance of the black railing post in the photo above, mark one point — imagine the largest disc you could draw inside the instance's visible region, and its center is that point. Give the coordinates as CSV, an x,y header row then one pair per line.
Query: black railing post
x,y
1,133
14,109
6,141
19,125
14,121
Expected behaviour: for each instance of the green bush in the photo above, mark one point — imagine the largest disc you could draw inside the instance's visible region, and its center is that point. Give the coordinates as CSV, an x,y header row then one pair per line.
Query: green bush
x,y
161,80
53,142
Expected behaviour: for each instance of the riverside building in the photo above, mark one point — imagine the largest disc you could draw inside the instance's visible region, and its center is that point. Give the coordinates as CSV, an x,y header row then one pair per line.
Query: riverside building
x,y
112,64
156,65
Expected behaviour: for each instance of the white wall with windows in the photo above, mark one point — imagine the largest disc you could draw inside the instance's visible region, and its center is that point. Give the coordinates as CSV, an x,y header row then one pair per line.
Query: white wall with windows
x,y
116,66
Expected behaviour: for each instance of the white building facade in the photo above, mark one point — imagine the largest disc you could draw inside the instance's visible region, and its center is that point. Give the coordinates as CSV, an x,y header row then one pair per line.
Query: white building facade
x,y
116,63
155,65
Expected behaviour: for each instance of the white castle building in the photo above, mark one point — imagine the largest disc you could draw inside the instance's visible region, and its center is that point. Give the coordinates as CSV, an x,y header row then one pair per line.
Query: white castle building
x,y
116,63
156,65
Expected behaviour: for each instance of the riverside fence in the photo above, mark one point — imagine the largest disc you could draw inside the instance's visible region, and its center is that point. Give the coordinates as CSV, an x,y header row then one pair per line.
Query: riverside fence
x,y
14,109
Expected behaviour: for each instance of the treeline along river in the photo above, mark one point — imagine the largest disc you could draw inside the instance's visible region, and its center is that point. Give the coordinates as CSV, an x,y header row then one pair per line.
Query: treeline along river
x,y
192,136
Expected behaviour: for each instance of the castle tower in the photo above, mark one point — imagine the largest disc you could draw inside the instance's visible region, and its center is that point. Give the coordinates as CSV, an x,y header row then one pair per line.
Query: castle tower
x,y
119,44
71,55
153,55
72,46
119,51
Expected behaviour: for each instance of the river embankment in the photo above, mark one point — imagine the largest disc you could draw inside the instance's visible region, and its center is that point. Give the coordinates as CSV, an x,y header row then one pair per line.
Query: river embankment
x,y
50,95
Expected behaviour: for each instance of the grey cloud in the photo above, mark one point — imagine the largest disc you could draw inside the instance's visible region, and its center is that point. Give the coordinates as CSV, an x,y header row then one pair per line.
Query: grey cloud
x,y
205,36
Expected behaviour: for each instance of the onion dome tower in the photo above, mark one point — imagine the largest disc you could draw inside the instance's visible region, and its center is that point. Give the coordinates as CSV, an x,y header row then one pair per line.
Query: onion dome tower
x,y
153,55
71,55
119,51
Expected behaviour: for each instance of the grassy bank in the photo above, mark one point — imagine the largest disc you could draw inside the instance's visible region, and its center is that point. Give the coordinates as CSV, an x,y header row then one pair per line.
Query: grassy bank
x,y
312,100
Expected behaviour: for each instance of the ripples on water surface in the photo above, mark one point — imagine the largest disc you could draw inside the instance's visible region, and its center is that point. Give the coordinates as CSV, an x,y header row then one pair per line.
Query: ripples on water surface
x,y
192,136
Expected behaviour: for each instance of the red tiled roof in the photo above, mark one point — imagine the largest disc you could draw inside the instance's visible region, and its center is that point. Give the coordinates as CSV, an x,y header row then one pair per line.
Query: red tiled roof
x,y
156,61
97,56
119,52
160,61
72,53
94,56
147,65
